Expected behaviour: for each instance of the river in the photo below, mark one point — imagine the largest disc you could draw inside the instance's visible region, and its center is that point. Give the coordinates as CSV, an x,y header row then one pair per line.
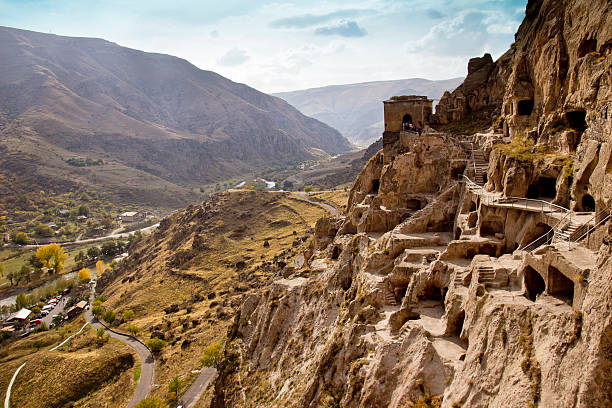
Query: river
x,y
10,300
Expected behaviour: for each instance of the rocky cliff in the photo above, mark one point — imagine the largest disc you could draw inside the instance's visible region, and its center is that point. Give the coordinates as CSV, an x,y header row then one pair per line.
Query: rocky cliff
x,y
491,292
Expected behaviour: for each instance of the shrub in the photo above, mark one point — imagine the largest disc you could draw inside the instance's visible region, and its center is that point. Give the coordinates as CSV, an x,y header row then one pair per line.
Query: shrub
x,y
109,316
128,315
19,238
97,310
100,332
38,344
133,329
155,344
174,386
151,402
212,355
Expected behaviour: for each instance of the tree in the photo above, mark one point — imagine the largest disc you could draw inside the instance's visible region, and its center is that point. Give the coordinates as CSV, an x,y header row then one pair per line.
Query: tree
x,y
11,277
109,316
83,210
308,188
174,386
155,344
35,262
133,329
21,301
84,275
111,248
80,259
151,402
212,355
101,267
43,230
93,252
287,185
52,256
97,310
128,315
19,238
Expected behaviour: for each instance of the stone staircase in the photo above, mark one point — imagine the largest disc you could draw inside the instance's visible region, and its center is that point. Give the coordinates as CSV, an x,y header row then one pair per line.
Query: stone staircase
x,y
480,166
486,275
459,278
387,294
566,233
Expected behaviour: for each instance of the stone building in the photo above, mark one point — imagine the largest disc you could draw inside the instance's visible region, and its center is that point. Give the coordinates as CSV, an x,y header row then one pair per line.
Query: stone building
x,y
413,109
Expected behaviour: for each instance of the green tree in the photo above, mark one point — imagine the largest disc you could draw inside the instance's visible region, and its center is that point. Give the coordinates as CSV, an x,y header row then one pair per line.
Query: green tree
x,y
19,237
43,230
93,252
174,386
97,310
80,259
155,344
109,316
35,262
151,402
212,355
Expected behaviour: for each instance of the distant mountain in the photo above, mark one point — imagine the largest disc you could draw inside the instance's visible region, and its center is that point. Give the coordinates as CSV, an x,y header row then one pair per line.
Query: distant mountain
x,y
356,110
161,125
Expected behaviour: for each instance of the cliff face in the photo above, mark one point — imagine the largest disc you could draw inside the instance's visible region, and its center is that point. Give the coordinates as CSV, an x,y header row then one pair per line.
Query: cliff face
x,y
434,293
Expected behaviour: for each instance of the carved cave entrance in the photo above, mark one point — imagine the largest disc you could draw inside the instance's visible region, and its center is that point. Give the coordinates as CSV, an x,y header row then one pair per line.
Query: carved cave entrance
x,y
375,186
533,283
576,120
525,107
545,187
491,227
560,286
588,203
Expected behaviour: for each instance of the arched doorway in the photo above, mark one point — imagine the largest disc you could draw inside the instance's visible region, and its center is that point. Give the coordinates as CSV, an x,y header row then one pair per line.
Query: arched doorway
x,y
588,203
406,120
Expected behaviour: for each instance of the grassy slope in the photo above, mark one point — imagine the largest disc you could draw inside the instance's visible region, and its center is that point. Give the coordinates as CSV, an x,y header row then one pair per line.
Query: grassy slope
x,y
102,375
234,226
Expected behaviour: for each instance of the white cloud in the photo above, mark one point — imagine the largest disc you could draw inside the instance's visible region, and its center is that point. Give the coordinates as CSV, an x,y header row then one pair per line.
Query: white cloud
x,y
233,57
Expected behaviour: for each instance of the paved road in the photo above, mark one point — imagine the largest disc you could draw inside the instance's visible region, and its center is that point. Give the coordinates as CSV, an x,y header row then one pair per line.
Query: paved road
x,y
332,210
7,399
147,372
193,393
90,240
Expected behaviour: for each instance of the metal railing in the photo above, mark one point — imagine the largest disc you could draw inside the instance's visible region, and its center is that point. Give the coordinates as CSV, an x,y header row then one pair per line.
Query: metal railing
x,y
590,228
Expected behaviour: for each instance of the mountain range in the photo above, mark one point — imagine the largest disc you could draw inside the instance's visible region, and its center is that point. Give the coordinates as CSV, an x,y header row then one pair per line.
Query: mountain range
x,y
356,109
156,126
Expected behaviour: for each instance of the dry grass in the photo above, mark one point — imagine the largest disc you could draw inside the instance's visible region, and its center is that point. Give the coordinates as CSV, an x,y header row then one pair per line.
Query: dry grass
x,y
239,224
91,375
336,198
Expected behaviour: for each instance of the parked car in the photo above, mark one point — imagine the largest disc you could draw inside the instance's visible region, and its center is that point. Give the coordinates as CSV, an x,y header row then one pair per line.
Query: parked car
x,y
34,322
44,312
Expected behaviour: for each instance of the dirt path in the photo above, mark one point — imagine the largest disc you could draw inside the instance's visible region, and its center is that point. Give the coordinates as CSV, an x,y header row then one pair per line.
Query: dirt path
x,y
332,210
193,393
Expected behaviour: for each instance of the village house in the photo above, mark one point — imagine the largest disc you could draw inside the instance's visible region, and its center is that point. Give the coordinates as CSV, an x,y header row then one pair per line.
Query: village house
x,y
76,309
131,216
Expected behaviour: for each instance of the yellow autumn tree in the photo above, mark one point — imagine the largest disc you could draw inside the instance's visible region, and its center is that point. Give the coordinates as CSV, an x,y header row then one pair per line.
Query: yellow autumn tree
x,y
101,267
84,275
52,256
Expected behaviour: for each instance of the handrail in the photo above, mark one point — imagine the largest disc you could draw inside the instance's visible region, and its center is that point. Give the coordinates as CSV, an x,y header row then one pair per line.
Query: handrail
x,y
586,225
589,228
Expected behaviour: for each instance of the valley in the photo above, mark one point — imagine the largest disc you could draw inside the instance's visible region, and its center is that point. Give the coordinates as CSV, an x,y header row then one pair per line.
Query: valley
x,y
462,259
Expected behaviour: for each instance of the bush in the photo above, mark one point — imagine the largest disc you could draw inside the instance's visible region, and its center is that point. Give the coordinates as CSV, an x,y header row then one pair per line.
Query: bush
x,y
93,252
151,402
212,355
19,238
109,316
97,310
38,344
128,315
133,329
308,188
155,344
43,230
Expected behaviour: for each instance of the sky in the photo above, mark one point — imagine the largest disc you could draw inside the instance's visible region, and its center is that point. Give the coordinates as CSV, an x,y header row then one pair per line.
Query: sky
x,y
281,45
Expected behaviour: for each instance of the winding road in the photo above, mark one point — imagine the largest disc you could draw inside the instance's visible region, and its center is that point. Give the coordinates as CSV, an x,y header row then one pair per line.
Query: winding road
x,y
194,392
104,238
147,371
332,210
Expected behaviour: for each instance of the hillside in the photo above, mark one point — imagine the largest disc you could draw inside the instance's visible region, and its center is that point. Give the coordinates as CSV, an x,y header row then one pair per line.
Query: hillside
x,y
161,126
355,109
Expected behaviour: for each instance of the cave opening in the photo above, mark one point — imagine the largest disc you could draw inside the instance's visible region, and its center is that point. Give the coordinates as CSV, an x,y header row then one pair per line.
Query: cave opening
x,y
457,324
431,292
533,191
375,186
586,46
458,233
533,283
577,120
400,291
560,286
414,204
525,107
491,227
588,203
545,187
472,206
